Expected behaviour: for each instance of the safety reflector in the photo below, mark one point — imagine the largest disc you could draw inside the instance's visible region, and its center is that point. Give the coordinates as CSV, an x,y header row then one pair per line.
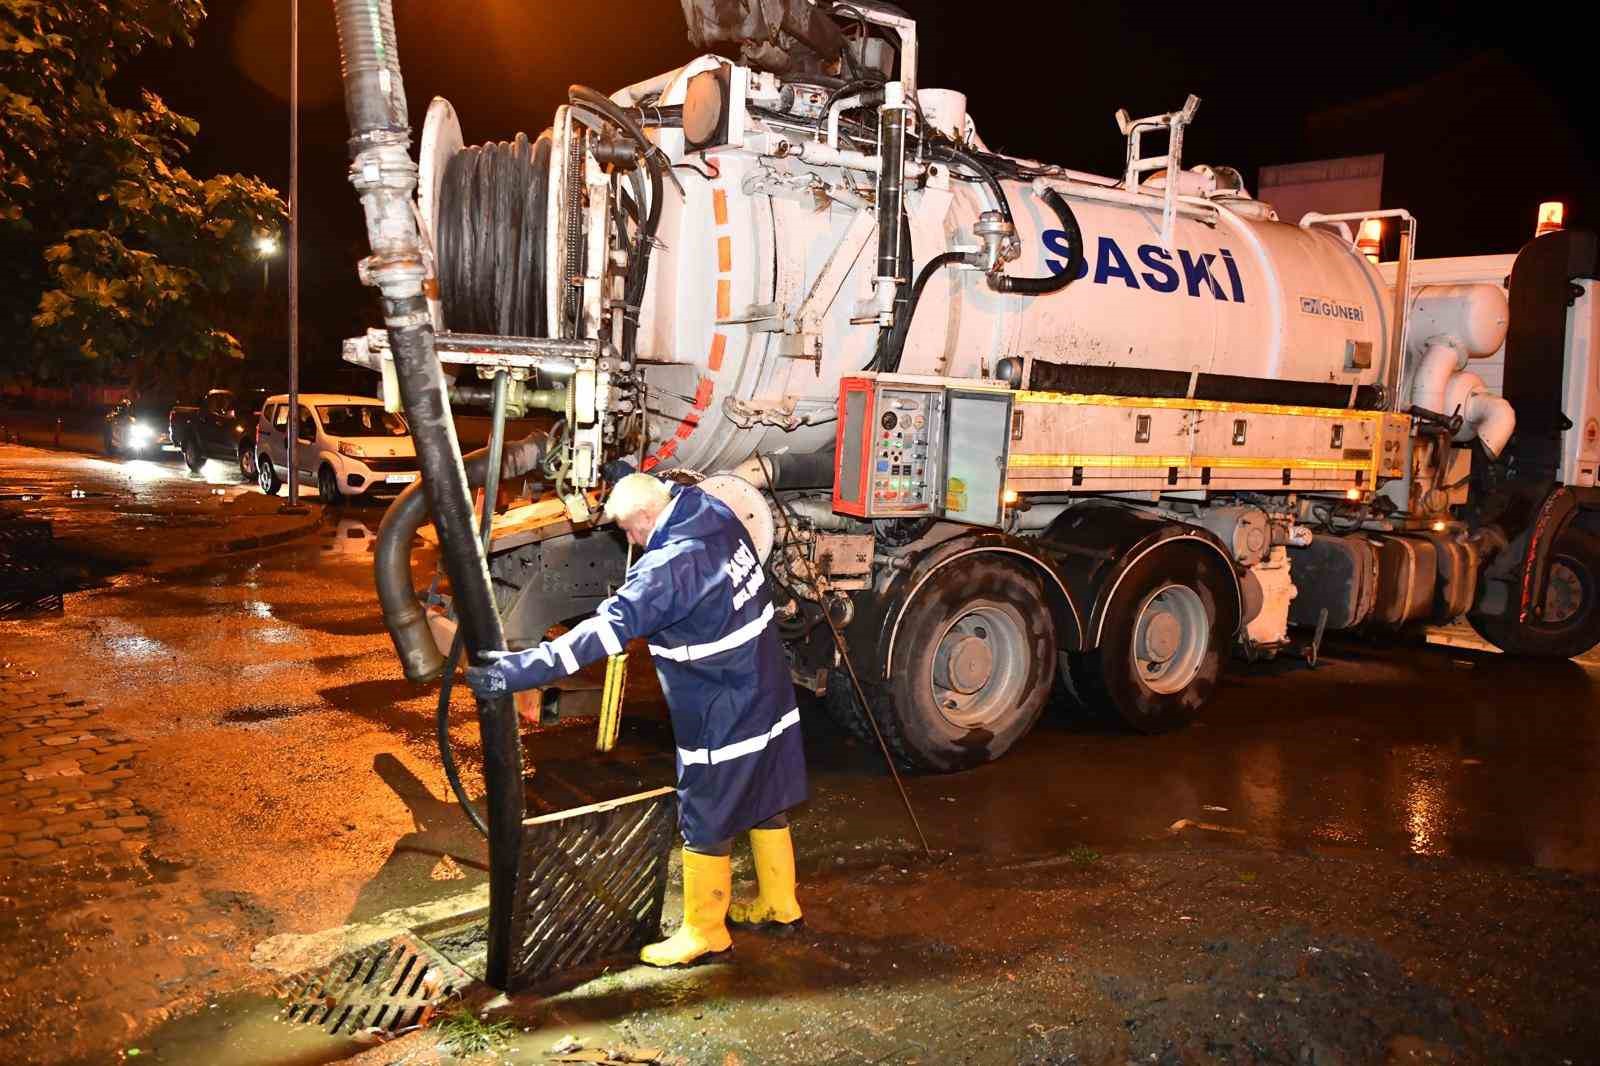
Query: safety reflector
x,y
590,884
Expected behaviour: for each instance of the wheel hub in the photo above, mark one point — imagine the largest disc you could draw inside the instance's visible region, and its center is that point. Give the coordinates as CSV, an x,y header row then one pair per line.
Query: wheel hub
x,y
968,662
1162,635
1170,638
1563,595
980,665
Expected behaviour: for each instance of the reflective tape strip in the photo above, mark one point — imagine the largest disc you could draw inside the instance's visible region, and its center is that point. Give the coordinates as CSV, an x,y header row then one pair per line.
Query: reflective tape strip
x,y
602,629
740,748
563,649
688,653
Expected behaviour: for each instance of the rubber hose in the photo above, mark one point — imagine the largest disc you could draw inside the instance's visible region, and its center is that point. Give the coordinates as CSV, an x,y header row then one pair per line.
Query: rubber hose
x,y
949,153
490,226
639,263
902,325
847,89
403,616
1052,282
442,727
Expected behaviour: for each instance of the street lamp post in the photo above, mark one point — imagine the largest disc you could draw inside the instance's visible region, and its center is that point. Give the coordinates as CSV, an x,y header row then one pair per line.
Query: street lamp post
x,y
292,425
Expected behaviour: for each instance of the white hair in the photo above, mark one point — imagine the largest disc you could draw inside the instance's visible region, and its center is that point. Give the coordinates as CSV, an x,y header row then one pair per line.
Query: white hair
x,y
636,493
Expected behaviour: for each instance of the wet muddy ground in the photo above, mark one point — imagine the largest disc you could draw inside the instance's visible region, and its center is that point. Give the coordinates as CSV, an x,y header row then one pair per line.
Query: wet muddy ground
x,y
1392,857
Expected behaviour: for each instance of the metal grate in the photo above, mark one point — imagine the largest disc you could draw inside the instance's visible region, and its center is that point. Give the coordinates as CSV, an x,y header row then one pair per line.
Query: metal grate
x,y
389,986
30,579
590,883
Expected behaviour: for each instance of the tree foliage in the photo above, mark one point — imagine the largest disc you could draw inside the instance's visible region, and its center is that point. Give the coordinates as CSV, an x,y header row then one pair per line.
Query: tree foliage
x,y
115,253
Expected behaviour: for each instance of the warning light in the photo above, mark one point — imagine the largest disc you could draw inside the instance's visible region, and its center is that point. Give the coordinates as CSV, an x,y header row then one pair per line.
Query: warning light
x,y
1354,495
1370,238
1010,497
1552,218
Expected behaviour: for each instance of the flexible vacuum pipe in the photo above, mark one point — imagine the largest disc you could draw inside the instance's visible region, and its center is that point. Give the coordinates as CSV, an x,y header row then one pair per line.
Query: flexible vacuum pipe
x,y
385,177
403,616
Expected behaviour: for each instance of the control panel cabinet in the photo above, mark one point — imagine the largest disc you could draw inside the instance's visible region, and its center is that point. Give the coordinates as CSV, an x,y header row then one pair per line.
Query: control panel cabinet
x,y
915,447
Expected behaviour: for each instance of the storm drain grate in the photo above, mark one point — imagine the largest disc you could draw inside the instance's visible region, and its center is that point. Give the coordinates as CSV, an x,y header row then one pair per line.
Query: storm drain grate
x,y
590,883
30,578
390,986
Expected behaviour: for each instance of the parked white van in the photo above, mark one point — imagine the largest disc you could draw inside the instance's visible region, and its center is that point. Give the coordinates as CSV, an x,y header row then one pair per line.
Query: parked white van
x,y
346,446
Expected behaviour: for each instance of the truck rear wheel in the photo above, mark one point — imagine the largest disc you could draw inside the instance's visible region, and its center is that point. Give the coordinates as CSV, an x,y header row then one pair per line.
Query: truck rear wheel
x,y
1571,625
971,671
1164,635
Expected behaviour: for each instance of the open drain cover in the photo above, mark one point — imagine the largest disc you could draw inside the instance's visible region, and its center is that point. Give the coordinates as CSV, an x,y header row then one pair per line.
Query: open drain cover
x,y
388,986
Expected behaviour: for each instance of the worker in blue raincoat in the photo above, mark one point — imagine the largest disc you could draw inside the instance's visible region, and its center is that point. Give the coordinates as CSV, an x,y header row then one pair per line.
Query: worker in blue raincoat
x,y
698,593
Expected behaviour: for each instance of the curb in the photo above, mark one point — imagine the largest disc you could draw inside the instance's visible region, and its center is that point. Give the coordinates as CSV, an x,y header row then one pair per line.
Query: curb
x,y
268,540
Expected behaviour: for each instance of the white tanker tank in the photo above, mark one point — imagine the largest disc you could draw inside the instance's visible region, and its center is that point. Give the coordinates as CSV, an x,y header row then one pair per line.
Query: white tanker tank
x,y
1238,294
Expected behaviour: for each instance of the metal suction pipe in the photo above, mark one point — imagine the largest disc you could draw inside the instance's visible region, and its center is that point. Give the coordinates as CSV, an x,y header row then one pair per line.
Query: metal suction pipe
x,y
386,178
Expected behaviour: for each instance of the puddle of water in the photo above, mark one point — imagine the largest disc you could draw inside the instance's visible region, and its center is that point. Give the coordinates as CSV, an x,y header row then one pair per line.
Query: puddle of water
x,y
239,1030
263,713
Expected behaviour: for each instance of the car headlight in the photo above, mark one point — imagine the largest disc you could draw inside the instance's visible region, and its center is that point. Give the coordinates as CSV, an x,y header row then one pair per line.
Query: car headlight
x,y
346,448
139,433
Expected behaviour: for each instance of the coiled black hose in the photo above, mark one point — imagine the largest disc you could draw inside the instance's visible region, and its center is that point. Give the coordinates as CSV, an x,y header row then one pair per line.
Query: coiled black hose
x,y
490,224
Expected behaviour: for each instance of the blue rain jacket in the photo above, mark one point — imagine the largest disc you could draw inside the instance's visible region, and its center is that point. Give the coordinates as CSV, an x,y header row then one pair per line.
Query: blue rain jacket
x,y
698,594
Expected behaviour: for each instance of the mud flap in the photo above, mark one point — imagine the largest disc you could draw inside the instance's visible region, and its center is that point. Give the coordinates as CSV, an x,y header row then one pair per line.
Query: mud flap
x,y
1559,508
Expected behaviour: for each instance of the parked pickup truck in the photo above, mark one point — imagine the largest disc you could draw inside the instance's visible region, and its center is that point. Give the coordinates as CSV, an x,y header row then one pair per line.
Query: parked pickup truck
x,y
220,426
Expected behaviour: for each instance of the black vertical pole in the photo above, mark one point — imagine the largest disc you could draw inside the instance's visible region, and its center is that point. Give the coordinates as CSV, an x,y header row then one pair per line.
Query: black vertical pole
x,y
385,177
292,427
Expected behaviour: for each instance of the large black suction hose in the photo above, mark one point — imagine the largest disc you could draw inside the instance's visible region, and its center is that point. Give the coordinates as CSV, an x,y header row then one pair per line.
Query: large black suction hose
x,y
1052,282
1069,222
403,616
385,177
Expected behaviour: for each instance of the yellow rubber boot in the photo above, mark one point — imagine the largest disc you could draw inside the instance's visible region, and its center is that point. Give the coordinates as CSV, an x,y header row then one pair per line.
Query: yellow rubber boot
x,y
707,886
775,903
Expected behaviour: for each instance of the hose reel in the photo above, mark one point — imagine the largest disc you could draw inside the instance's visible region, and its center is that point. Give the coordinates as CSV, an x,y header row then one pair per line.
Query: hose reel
x,y
490,218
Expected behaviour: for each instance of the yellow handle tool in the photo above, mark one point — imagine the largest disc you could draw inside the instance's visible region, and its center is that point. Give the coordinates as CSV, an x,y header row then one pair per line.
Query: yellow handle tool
x,y
611,694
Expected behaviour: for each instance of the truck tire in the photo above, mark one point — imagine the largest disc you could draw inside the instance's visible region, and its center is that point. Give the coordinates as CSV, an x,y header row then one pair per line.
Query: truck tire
x,y
1571,625
972,670
266,476
1165,633
194,457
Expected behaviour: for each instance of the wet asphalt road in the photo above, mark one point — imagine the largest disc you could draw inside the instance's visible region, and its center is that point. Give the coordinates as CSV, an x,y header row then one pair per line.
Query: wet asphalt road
x,y
292,782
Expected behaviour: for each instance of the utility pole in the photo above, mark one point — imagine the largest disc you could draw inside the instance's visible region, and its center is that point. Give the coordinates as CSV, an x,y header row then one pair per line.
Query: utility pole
x,y
292,426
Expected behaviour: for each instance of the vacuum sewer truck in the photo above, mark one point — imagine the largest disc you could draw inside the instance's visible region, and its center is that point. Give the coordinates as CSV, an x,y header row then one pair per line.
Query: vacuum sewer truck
x,y
1009,428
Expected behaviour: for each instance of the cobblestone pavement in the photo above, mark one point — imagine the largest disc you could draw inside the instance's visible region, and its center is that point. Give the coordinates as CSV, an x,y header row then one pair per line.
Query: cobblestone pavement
x,y
103,936
59,774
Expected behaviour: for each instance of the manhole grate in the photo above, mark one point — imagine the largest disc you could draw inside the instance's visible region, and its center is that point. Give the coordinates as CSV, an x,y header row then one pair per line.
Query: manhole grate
x,y
389,986
591,883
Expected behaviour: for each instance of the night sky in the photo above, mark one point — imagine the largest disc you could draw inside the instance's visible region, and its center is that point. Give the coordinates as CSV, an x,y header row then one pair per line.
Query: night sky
x,y
1479,119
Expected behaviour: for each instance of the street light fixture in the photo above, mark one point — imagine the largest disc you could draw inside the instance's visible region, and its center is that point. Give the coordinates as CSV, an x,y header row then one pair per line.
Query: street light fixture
x,y
266,248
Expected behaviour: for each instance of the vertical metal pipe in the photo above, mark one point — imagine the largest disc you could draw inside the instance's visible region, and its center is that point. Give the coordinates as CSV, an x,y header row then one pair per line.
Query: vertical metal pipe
x,y
1394,373
292,427
892,268
385,177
